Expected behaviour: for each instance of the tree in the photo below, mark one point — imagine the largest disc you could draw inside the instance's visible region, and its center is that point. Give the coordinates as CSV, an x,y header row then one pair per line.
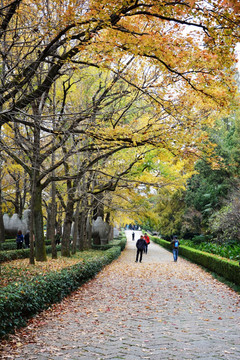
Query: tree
x,y
183,76
224,223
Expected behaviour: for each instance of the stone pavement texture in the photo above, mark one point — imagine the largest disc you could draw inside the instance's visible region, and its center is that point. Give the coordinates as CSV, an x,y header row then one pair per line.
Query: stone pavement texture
x,y
157,309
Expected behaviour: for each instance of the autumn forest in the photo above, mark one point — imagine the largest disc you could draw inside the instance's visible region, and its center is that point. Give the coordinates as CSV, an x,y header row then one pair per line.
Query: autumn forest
x,y
128,110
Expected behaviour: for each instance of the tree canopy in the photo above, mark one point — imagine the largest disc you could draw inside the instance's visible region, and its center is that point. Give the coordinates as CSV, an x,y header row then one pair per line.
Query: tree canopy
x,y
100,95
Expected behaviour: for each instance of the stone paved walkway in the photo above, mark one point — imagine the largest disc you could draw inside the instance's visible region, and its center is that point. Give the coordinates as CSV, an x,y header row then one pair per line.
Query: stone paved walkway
x,y
158,310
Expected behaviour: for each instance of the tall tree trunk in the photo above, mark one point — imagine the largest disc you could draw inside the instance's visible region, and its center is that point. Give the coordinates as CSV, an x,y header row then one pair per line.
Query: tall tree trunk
x,y
3,78
86,244
71,188
81,230
40,248
52,222
89,230
2,230
65,248
84,221
32,239
83,234
53,207
76,232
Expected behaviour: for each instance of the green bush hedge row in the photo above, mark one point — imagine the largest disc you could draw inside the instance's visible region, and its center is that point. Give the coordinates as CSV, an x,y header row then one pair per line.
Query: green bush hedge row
x,y
8,255
228,269
12,245
20,301
230,250
121,241
8,245
21,253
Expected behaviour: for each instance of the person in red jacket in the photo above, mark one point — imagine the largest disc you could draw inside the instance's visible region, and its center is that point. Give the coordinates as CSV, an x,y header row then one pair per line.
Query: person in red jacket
x,y
146,237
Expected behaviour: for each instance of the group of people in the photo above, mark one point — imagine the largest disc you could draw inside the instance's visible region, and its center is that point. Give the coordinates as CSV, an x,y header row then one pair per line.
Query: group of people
x,y
20,239
143,242
142,245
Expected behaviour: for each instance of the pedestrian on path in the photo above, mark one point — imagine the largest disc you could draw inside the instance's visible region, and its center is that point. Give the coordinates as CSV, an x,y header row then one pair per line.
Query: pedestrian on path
x,y
175,247
140,244
27,239
19,239
147,239
133,236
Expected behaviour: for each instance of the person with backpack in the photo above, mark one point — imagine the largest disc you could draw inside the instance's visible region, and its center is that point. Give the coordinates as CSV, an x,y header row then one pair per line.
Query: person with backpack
x,y
140,244
175,246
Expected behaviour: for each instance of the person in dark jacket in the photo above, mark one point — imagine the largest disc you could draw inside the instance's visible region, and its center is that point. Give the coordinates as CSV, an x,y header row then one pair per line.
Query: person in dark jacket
x,y
26,239
19,239
140,244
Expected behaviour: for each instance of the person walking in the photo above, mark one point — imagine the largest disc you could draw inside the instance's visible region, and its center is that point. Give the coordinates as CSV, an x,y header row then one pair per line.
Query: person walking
x,y
133,236
27,240
19,239
147,239
140,244
58,238
175,246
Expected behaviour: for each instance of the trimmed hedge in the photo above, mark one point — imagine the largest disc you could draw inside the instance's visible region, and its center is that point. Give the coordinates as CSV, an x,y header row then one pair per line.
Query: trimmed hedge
x,y
21,253
228,269
8,255
20,301
8,245
116,242
12,245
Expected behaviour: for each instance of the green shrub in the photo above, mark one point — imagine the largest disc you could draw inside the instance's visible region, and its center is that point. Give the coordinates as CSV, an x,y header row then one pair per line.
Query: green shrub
x,y
20,301
230,250
21,253
12,245
226,268
198,239
164,243
8,245
120,241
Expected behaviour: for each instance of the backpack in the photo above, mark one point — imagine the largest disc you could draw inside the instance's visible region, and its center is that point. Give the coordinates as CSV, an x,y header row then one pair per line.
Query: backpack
x,y
176,243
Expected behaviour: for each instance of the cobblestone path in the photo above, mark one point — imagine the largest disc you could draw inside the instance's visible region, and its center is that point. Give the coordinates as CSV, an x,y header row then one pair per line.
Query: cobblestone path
x,y
157,309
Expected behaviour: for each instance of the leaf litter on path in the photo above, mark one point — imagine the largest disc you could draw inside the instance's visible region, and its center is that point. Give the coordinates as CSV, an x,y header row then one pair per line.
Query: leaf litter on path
x,y
125,298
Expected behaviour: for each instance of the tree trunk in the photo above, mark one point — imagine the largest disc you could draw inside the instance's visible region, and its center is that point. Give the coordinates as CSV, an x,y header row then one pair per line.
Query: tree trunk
x,y
80,230
40,248
53,206
65,249
75,232
84,221
2,230
31,255
52,222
